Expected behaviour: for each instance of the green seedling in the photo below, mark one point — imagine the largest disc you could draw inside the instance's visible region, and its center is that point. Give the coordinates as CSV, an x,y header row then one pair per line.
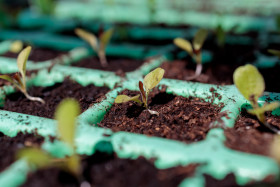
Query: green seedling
x,y
274,52
194,49
19,79
251,85
98,44
221,35
150,81
66,115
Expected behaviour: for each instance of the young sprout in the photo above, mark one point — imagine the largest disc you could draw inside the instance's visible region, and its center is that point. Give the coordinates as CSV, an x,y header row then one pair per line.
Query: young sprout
x,y
150,81
98,44
18,80
274,52
194,49
65,115
251,85
45,6
221,35
16,46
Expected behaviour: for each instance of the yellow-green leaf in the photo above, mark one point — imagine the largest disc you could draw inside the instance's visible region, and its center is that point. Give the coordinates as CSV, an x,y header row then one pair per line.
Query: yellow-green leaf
x,y
7,78
66,114
249,82
199,39
105,38
153,78
265,108
184,44
35,157
21,61
16,46
274,52
88,37
125,98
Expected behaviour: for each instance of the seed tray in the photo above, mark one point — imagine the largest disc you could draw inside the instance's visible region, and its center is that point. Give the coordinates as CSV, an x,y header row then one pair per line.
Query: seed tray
x,y
213,156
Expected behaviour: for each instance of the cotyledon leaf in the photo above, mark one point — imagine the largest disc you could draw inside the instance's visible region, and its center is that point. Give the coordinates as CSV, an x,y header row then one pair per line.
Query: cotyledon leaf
x,y
153,78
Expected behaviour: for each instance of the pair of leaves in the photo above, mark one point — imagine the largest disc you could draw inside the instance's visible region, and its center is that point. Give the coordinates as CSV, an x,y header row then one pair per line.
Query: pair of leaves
x,y
16,80
196,45
151,80
97,44
65,114
251,85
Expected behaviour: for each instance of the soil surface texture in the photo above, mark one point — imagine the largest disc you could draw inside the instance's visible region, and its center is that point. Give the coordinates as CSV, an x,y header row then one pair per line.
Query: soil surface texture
x,y
52,95
248,135
117,65
108,170
10,146
38,54
183,119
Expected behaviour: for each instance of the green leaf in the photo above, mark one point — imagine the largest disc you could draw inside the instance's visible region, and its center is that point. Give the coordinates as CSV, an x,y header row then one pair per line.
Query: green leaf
x,y
35,157
125,98
199,39
249,82
153,78
66,114
16,46
184,44
265,108
7,78
105,38
88,37
21,61
274,52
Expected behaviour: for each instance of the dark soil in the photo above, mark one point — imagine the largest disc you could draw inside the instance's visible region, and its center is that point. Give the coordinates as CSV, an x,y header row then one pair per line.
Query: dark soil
x,y
86,96
211,73
38,54
108,170
10,146
183,119
120,66
249,136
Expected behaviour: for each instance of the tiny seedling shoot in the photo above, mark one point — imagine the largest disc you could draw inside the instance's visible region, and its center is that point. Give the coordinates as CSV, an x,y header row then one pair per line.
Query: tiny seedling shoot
x,y
150,81
194,49
65,115
98,44
18,80
251,85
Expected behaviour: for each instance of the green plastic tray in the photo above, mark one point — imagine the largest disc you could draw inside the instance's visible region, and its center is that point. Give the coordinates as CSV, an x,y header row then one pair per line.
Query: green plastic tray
x,y
215,158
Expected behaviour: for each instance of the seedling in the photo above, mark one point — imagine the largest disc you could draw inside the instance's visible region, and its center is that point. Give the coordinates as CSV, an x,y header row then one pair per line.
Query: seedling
x,y
221,35
98,44
251,85
18,79
194,49
45,6
150,81
65,115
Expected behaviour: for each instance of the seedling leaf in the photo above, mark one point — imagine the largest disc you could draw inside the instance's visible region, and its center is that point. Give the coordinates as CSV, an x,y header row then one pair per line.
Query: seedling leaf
x,y
153,78
66,114
264,108
143,94
88,37
35,157
125,98
249,82
274,52
16,46
184,44
21,61
199,39
7,78
105,38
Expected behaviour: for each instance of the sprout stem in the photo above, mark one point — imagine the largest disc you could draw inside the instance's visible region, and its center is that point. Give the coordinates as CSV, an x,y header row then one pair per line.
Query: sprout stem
x,y
33,98
102,58
197,72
